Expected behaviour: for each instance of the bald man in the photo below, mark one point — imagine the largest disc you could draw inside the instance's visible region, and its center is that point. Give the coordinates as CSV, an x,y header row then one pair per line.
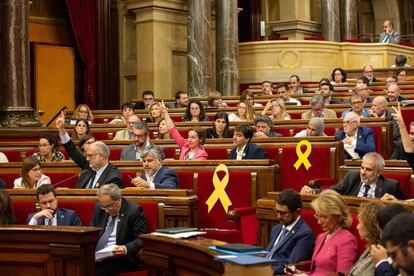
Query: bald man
x,y
389,35
393,94
380,109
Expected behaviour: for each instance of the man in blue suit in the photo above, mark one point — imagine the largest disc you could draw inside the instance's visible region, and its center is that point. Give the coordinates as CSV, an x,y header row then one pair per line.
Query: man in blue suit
x,y
292,240
155,175
244,148
50,213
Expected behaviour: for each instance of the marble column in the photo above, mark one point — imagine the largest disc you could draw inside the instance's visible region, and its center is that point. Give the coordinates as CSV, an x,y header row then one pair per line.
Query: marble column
x,y
15,103
349,14
227,47
199,47
330,19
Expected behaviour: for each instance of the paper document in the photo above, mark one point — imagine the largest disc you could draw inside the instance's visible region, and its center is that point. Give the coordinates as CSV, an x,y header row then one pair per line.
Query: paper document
x,y
180,235
104,253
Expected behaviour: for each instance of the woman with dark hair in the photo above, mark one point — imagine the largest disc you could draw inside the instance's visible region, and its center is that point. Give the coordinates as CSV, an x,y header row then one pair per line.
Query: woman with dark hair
x,y
192,148
338,76
401,75
48,149
82,127
215,99
195,112
31,175
220,127
85,141
6,213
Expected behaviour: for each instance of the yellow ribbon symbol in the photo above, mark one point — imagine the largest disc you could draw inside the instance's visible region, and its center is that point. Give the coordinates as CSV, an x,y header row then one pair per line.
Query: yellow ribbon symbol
x,y
303,157
219,189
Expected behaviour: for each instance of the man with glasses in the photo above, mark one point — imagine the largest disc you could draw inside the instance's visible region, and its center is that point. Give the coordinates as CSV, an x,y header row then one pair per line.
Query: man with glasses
x,y
140,136
291,240
50,214
318,109
98,170
148,99
122,222
367,183
357,106
127,134
282,90
368,72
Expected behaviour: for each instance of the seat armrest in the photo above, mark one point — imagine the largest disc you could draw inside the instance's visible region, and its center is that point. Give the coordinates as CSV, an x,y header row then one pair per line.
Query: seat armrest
x,y
321,183
237,213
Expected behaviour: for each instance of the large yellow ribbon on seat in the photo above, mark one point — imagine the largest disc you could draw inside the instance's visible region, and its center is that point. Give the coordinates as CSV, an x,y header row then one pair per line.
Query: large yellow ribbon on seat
x,y
303,157
219,192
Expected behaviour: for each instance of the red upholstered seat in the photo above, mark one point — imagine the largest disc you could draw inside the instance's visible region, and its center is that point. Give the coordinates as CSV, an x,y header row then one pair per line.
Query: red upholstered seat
x,y
285,131
13,155
183,132
9,179
238,190
177,118
169,152
319,38
22,209
84,209
405,182
30,152
115,154
272,153
127,176
408,116
63,179
296,179
217,153
151,214
378,141
101,135
296,115
185,180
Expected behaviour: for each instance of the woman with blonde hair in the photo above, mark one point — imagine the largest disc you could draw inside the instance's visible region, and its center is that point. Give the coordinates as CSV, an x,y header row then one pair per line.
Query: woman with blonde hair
x,y
82,112
244,112
31,175
335,249
370,232
155,114
215,100
277,109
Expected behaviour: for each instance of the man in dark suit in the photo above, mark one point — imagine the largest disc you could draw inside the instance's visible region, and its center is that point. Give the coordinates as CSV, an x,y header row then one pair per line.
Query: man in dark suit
x,y
368,182
292,240
244,148
97,168
50,213
264,126
389,35
147,99
156,176
380,109
122,222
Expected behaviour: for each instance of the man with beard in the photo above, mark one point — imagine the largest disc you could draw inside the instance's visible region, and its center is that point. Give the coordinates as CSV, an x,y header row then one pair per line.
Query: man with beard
x,y
368,182
126,134
50,214
155,176
291,240
244,149
142,142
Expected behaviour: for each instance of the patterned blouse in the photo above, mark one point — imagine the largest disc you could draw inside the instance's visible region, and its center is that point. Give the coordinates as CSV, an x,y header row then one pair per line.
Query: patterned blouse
x,y
57,156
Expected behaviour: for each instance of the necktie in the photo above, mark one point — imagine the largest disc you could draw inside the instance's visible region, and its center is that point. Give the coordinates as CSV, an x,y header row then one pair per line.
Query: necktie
x,y
366,189
50,222
103,240
386,39
91,180
283,235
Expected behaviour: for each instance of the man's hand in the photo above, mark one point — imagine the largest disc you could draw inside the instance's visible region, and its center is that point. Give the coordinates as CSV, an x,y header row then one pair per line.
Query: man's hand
x,y
378,253
387,196
260,134
139,182
46,213
397,115
307,190
60,123
119,250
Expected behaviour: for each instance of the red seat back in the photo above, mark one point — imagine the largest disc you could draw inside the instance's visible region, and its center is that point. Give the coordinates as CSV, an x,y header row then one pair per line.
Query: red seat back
x,y
237,189
308,215
151,214
405,182
217,153
13,155
272,153
169,152
64,179
115,154
185,180
127,176
101,135
84,209
9,179
22,209
378,141
296,179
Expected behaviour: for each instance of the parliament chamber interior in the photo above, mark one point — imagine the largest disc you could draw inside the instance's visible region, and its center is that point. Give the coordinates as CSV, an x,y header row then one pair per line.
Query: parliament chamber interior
x,y
204,115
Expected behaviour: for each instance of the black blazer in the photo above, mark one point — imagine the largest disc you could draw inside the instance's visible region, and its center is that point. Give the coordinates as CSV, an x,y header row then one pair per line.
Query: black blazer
x,y
251,151
131,224
351,185
210,134
111,173
166,178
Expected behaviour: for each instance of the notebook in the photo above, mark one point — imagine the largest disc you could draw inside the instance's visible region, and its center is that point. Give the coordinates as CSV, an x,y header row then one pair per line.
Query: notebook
x,y
176,230
239,247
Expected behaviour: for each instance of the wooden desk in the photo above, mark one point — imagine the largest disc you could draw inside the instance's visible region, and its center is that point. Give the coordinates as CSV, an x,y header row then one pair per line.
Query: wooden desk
x,y
47,250
167,256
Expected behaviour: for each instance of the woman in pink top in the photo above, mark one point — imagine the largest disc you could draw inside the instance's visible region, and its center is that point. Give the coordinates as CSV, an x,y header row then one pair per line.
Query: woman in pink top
x,y
336,249
191,149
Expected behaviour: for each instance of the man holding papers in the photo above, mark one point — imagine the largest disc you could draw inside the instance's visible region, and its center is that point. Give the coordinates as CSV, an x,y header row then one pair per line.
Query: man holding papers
x,y
122,222
292,240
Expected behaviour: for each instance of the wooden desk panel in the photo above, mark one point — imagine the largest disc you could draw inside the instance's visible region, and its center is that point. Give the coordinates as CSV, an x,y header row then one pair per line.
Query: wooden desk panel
x,y
47,250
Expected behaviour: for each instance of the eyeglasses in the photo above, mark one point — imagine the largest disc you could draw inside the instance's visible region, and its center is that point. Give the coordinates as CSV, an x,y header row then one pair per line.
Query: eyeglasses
x,y
282,213
36,169
348,122
356,103
106,207
43,145
320,217
138,136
